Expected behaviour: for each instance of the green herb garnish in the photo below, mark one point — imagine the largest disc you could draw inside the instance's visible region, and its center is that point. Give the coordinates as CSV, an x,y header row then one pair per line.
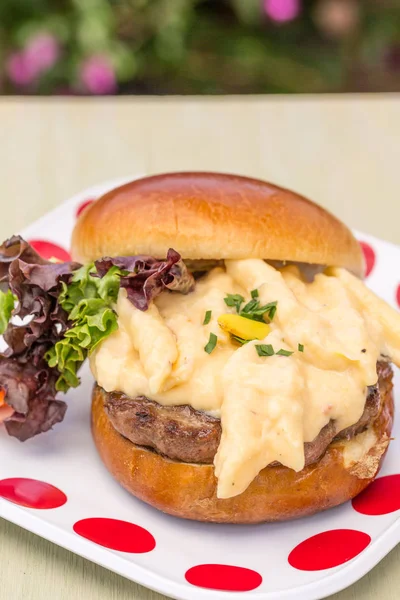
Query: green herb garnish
x,y
268,310
234,300
212,342
264,350
254,311
250,307
239,339
283,352
267,350
207,317
300,348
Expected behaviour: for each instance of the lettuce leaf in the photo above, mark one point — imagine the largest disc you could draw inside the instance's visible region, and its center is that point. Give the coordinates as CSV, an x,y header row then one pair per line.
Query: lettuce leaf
x,y
6,308
87,300
25,376
145,277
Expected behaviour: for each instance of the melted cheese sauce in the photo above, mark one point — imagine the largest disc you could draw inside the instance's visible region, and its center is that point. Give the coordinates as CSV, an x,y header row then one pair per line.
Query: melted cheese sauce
x,y
269,406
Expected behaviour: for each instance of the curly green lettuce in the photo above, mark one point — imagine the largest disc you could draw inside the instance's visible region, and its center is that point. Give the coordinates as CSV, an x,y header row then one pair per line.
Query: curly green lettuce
x,y
88,301
6,308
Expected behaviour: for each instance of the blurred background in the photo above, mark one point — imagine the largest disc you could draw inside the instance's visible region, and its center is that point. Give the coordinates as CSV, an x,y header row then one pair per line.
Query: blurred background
x,y
96,47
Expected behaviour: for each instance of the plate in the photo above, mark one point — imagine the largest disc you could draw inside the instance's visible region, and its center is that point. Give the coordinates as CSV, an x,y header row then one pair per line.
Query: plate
x,y
90,514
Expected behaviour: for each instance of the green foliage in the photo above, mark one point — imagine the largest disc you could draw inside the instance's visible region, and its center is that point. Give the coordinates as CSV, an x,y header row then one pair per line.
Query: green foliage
x,y
207,46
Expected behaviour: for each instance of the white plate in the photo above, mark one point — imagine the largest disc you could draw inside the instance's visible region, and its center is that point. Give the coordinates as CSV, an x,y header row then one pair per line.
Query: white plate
x,y
67,459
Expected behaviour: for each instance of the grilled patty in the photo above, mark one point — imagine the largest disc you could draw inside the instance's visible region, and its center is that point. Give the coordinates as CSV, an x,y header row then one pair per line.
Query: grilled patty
x,y
188,435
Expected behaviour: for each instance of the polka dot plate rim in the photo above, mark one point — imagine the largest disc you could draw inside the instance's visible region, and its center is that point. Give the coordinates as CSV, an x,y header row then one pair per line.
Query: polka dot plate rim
x,y
172,556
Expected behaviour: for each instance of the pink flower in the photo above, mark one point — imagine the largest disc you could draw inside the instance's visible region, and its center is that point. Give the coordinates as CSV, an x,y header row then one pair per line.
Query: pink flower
x,y
42,52
19,70
282,10
39,55
337,18
97,75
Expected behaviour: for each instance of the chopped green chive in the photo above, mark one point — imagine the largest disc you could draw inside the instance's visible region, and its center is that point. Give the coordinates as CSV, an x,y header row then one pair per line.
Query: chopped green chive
x,y
239,339
212,342
301,348
207,317
234,300
257,312
269,310
252,317
250,306
265,350
283,352
272,312
229,301
252,310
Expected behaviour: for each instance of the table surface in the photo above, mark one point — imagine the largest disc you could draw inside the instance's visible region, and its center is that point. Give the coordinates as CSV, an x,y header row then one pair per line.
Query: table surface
x,y
340,151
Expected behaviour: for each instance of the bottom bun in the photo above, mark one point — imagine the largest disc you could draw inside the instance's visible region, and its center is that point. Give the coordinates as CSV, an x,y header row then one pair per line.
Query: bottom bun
x,y
276,494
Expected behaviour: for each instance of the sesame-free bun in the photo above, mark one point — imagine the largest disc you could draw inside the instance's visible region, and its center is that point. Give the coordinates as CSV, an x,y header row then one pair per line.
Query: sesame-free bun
x,y
277,493
213,216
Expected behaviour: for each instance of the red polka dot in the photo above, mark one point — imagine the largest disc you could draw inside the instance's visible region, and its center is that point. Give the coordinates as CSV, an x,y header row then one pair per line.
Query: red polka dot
x,y
117,535
49,250
82,206
398,295
370,257
328,549
380,498
224,577
31,493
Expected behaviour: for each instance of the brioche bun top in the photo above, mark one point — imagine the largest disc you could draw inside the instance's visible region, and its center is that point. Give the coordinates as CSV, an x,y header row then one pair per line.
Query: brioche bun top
x,y
213,216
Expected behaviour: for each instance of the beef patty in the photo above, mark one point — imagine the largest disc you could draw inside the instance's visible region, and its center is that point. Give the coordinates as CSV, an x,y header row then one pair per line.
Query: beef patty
x,y
188,435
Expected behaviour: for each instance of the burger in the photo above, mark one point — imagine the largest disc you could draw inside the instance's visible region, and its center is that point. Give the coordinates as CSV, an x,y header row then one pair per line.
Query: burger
x,y
243,369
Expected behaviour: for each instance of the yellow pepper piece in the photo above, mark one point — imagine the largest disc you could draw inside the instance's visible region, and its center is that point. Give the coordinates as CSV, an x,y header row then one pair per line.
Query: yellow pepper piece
x,y
243,328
